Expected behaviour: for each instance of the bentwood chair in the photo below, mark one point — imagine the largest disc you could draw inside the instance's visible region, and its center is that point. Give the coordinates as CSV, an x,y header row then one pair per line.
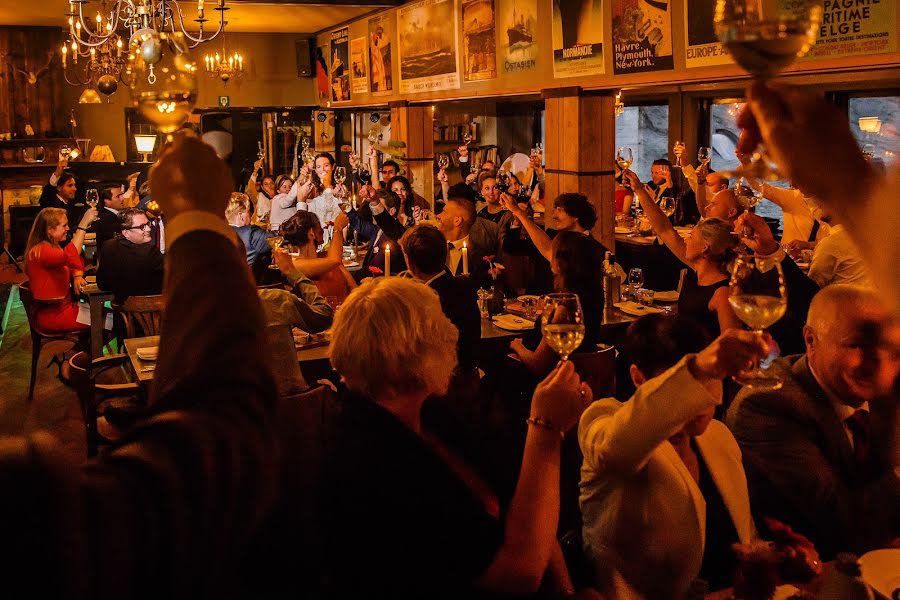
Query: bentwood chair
x,y
142,315
38,336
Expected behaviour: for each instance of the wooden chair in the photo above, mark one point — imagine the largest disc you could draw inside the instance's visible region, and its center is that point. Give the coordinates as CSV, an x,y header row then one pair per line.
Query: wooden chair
x,y
142,315
39,337
598,370
96,383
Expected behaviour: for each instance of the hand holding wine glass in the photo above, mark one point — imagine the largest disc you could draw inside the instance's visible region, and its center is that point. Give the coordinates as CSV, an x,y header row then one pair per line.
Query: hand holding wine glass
x,y
678,150
92,197
704,155
277,255
758,296
562,323
560,399
624,158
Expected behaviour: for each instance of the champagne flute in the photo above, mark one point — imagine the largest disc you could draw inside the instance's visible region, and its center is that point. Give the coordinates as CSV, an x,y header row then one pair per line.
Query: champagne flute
x,y
562,323
276,243
340,176
92,197
678,146
758,297
624,158
765,39
704,155
746,194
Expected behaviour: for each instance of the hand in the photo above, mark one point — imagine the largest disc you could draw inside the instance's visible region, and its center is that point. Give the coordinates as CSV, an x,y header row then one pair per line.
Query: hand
x,y
463,151
794,247
175,182
89,216
372,152
731,353
678,150
633,180
366,193
283,261
61,166
442,176
417,213
702,171
132,181
518,347
78,283
471,177
341,191
535,161
509,203
341,221
802,132
306,189
761,240
561,397
743,158
257,165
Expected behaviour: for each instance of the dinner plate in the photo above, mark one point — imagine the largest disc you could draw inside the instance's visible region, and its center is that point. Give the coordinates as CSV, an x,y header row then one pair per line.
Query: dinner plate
x,y
881,570
668,296
513,323
623,230
637,310
148,353
351,263
525,297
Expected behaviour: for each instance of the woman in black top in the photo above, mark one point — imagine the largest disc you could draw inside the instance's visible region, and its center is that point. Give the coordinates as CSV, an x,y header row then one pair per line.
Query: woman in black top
x,y
707,252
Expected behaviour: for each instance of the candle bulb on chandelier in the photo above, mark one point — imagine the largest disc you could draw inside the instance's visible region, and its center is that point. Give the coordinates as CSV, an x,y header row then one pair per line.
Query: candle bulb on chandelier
x,y
119,48
64,50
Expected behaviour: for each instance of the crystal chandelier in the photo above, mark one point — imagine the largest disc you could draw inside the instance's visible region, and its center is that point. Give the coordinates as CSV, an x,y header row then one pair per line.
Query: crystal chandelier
x,y
225,67
102,67
143,19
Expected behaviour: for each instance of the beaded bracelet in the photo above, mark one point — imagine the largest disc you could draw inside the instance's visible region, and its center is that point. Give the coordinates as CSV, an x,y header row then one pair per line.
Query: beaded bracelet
x,y
539,422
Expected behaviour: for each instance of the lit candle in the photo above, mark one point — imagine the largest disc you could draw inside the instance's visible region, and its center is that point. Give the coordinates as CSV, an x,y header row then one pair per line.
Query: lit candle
x,y
465,259
387,260
200,5
64,51
119,48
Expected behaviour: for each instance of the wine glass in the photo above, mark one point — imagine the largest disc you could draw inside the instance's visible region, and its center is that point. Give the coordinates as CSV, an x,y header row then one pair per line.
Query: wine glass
x,y
636,279
340,175
747,196
64,151
165,80
92,197
667,205
304,143
276,243
443,161
308,156
703,155
678,146
758,296
373,136
261,153
765,39
562,323
868,151
467,138
624,158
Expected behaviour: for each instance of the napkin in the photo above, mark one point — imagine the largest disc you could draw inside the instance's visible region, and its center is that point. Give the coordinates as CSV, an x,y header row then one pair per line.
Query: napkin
x,y
633,308
513,323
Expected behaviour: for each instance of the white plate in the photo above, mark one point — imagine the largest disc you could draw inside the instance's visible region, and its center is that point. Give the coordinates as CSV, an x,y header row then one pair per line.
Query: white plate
x,y
148,353
351,263
635,309
881,570
513,323
527,297
623,230
669,296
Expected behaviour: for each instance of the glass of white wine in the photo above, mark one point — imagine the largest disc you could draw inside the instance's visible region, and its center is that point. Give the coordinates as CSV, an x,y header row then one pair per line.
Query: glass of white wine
x,y
276,243
758,297
64,151
667,205
165,82
704,155
679,145
624,158
562,323
92,197
765,38
443,161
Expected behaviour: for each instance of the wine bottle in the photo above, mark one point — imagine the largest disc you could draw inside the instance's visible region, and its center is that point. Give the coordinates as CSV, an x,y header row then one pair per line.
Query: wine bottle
x,y
612,283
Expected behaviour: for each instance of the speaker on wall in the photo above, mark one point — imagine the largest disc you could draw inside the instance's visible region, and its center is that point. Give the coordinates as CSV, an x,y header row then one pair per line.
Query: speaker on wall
x,y
306,66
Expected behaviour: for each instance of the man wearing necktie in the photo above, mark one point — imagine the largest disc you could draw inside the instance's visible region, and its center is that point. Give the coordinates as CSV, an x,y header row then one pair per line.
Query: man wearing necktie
x,y
820,453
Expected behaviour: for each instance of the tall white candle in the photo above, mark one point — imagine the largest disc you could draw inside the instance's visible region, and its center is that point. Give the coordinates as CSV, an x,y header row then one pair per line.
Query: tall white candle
x,y
465,259
387,260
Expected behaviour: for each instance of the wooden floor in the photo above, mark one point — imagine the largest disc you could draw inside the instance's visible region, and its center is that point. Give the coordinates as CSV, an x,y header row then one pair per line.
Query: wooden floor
x,y
55,406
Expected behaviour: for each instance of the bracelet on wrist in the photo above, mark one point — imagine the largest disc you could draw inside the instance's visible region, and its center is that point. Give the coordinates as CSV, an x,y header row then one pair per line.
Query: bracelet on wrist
x,y
81,228
545,424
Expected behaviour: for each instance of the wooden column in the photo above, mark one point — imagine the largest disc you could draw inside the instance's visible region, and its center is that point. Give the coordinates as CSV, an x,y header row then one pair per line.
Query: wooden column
x,y
414,125
579,153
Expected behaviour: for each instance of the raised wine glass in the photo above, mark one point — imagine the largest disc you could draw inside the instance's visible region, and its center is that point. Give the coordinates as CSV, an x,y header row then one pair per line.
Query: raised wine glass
x,y
765,38
64,151
276,243
562,323
703,155
261,153
758,296
467,138
304,143
678,146
624,158
443,161
92,197
667,205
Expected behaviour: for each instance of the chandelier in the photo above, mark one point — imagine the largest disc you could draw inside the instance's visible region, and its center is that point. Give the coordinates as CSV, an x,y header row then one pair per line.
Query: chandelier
x,y
143,19
102,67
225,67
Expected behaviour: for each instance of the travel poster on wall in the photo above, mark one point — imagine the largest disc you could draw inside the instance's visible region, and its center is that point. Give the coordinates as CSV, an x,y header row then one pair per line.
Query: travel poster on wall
x,y
359,66
323,86
478,40
703,46
518,45
577,38
340,65
427,40
381,32
853,28
641,36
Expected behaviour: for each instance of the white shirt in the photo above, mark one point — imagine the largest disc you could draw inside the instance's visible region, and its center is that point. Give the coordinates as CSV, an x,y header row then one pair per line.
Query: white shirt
x,y
326,207
283,207
263,207
798,219
455,254
836,259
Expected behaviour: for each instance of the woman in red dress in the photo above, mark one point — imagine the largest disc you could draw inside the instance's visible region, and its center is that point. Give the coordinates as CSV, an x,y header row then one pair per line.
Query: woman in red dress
x,y
51,268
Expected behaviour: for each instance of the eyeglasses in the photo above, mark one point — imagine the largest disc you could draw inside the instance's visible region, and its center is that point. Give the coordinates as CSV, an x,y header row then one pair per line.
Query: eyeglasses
x,y
144,227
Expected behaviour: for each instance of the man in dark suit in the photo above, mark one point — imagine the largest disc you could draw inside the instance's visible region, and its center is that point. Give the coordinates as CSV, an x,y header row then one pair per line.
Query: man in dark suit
x,y
106,226
384,230
819,453
130,265
425,249
463,229
167,512
60,193
259,253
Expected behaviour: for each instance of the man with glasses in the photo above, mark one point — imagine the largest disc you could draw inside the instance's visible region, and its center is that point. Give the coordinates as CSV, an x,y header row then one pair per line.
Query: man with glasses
x,y
129,264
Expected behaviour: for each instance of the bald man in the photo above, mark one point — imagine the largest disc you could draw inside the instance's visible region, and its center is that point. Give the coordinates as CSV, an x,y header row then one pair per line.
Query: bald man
x,y
819,452
715,200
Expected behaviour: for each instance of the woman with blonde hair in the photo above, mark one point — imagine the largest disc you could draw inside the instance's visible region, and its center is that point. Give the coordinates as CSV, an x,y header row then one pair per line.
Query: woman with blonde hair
x,y
406,517
707,252
51,268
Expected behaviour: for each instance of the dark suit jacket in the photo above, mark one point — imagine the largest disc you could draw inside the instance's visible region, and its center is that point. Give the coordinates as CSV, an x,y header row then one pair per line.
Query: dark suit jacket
x,y
128,269
74,209
788,331
801,470
458,301
163,514
106,227
255,243
391,232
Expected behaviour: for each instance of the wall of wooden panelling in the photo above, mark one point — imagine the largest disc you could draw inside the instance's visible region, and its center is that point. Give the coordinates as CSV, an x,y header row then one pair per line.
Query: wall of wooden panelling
x,y
34,51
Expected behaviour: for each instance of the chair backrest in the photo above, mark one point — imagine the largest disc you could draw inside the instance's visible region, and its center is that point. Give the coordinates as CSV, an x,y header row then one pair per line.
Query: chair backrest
x,y
31,306
598,370
142,315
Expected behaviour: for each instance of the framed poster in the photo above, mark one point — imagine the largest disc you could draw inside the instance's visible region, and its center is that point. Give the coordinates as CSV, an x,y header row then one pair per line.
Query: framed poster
x,y
340,65
359,66
381,35
428,48
518,44
577,38
642,36
478,40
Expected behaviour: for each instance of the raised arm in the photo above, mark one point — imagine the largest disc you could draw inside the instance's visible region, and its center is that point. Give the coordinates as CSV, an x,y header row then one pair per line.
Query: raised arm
x,y
538,236
658,220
